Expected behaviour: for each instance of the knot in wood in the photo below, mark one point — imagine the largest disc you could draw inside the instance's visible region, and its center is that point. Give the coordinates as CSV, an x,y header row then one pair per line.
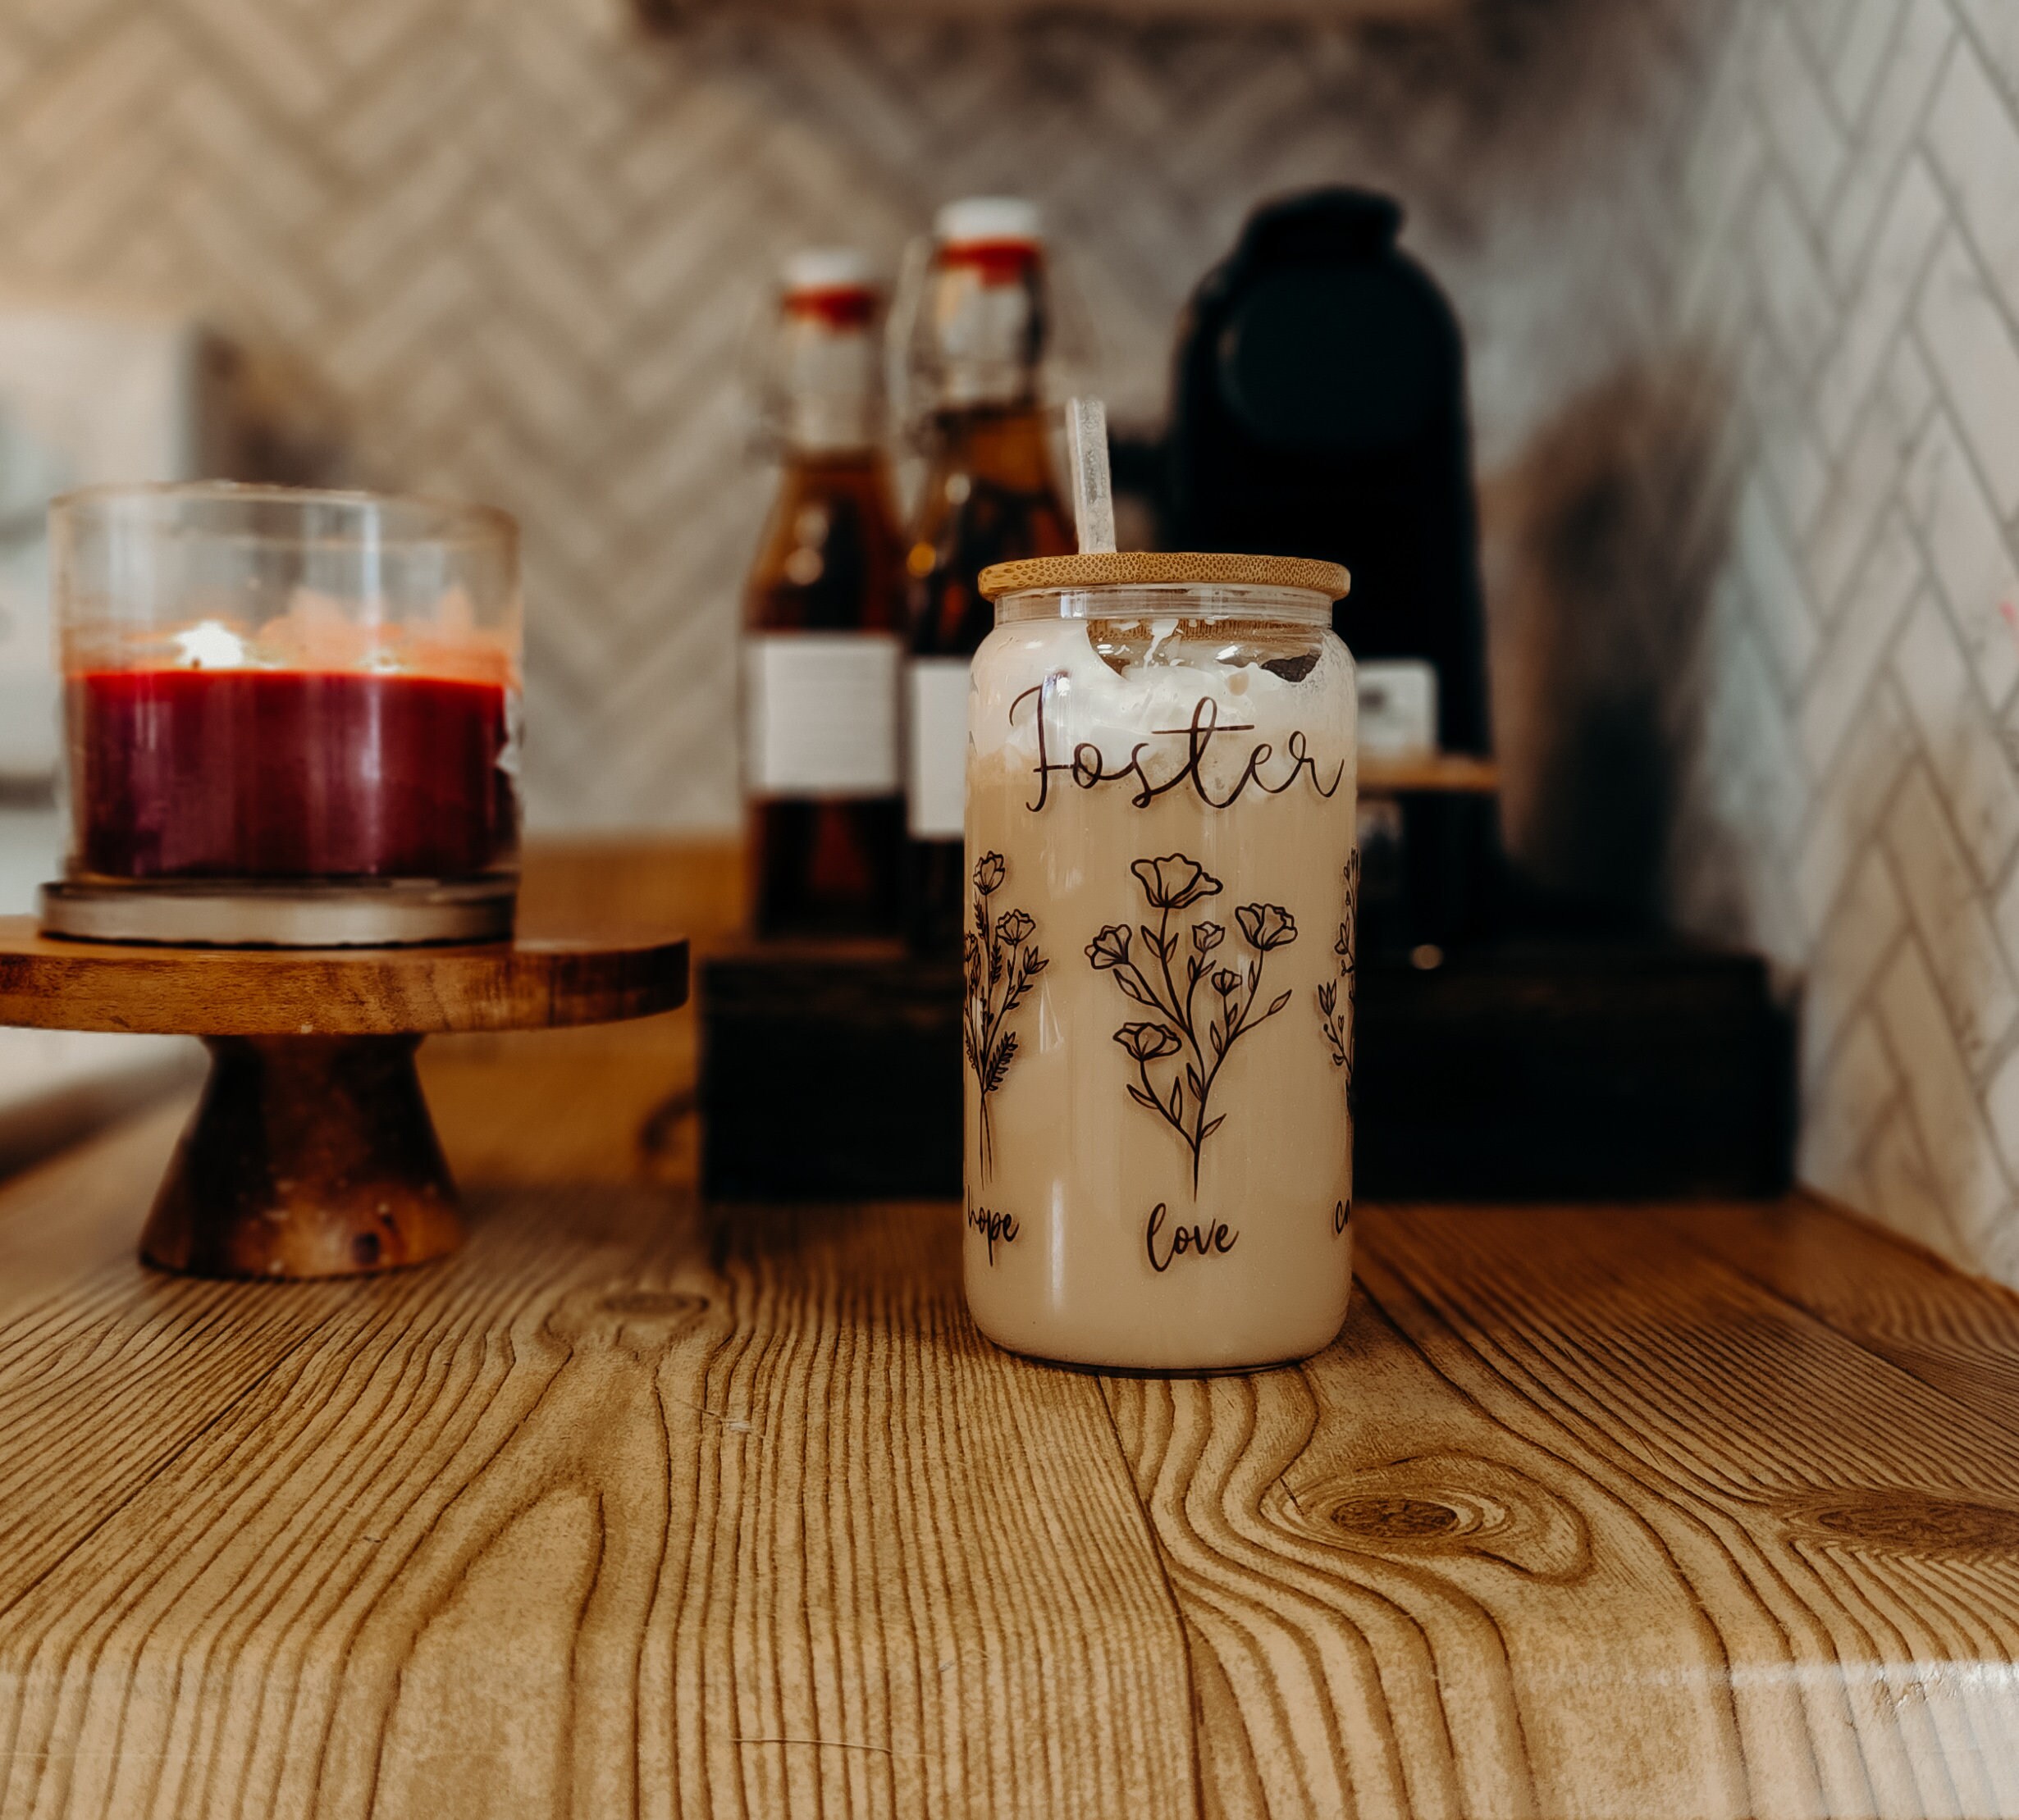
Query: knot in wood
x,y
641,1321
1907,1522
665,1304
1445,1504
1397,1519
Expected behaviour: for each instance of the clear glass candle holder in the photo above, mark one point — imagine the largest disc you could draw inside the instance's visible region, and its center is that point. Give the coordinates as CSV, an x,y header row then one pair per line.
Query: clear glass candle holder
x,y
290,717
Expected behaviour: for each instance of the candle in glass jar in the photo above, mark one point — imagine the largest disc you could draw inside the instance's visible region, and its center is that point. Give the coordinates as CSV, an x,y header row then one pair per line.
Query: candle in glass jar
x,y
1159,967
291,717
187,773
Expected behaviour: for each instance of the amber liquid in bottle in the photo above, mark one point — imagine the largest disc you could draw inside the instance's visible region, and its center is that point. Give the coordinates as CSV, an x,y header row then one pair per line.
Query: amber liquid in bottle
x,y
989,498
828,862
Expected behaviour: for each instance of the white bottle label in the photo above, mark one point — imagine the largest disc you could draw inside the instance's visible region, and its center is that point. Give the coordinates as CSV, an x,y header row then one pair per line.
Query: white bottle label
x,y
936,721
820,713
1397,707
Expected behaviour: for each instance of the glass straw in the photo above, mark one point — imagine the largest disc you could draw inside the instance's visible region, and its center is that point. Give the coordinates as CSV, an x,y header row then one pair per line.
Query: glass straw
x,y
1093,487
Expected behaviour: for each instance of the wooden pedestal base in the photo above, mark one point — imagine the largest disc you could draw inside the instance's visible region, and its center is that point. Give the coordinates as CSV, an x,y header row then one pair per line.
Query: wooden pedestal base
x,y
312,1153
307,1156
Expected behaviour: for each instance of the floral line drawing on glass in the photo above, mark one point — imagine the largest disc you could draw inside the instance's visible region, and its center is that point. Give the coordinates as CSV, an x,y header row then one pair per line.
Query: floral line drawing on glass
x,y
1337,998
1201,1038
999,961
1337,1003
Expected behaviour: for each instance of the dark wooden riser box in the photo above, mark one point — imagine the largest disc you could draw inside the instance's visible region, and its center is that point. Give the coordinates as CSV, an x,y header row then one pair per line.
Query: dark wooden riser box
x,y
829,1072
1555,1070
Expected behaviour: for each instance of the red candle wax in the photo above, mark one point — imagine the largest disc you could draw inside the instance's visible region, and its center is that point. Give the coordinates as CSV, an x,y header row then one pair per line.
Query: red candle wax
x,y
194,774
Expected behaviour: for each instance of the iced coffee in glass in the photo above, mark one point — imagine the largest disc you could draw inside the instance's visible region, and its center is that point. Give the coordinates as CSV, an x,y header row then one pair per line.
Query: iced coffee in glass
x,y
1159,961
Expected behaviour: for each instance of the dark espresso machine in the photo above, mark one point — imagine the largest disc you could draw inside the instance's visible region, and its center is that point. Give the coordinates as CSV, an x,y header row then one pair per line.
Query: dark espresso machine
x,y
1318,410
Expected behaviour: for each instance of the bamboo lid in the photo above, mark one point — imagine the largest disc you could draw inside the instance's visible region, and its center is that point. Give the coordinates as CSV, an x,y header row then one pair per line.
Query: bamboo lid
x,y
1164,569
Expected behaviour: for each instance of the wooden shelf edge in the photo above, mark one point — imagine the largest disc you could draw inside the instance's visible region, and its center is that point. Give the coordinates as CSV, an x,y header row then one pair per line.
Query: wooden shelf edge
x,y
1454,774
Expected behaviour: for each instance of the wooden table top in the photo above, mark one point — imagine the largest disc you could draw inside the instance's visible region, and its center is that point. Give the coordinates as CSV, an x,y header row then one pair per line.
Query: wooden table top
x,y
637,1507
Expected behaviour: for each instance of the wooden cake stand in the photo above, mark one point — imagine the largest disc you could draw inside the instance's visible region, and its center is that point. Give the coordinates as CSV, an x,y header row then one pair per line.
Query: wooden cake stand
x,y
311,1153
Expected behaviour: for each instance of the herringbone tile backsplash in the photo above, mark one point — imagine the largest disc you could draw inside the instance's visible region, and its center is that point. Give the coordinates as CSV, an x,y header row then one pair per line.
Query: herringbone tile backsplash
x,y
1854,799
509,248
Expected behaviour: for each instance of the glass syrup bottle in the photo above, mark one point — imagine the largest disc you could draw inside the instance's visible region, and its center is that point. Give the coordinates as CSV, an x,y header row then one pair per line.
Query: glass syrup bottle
x,y
977,351
823,616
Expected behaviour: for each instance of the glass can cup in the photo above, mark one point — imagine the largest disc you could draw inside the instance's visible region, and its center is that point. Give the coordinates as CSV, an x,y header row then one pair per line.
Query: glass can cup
x,y
1159,965
290,717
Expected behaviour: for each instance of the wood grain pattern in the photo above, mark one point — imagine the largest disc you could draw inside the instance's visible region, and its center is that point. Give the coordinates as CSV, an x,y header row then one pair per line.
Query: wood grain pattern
x,y
350,992
1884,1292
616,1512
637,1507
632,1509
1573,1521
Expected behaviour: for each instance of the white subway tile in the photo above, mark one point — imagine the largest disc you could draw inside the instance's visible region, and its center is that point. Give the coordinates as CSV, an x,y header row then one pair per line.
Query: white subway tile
x,y
281,63
1910,386
1856,1087
545,277
1873,605
1906,236
1726,144
429,297
1996,23
1971,770
1974,141
362,34
1792,453
284,182
1971,557
1969,342
1820,27
2005,917
1862,926
1805,139
119,184
1850,802
1998,1255
1724,165
1775,586
1760,789
1792,284
1712,312
1866,478
78,106
1862,55
2001,1106
1886,133
528,380
1905,1194
1968,1179
1946,907
291,306
380,246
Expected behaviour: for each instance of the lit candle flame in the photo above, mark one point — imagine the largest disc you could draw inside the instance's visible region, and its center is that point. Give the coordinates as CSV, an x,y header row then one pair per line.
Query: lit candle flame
x,y
209,645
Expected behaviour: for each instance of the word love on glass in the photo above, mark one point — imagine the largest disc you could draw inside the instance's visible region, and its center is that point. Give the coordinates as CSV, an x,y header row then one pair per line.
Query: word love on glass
x,y
1171,758
1211,1239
